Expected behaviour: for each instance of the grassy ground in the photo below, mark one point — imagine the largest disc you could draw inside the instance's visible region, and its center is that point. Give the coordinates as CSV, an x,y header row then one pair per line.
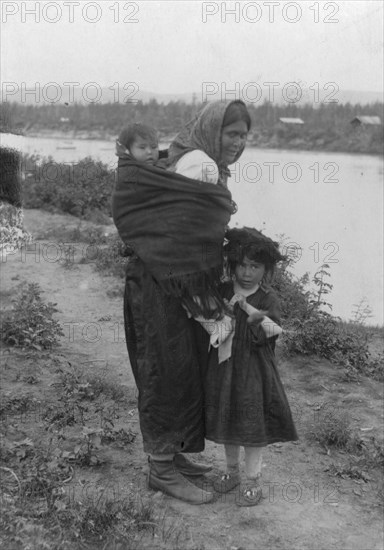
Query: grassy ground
x,y
72,467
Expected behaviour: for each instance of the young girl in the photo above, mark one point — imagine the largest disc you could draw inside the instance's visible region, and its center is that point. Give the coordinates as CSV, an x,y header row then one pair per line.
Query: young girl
x,y
245,401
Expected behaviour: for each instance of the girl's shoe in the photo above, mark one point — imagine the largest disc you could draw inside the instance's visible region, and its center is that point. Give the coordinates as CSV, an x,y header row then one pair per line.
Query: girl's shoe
x,y
226,482
249,495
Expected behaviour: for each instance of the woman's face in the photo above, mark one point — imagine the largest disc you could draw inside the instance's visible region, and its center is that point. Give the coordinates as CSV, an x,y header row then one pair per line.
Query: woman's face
x,y
233,138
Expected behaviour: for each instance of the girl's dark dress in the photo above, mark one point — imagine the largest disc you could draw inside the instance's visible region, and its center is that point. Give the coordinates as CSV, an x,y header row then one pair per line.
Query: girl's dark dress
x,y
244,397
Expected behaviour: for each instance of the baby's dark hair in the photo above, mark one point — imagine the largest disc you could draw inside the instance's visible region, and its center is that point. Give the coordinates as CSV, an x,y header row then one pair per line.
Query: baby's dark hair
x,y
236,111
132,131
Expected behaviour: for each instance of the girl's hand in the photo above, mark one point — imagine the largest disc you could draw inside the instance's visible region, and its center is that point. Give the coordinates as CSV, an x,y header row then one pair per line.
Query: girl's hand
x,y
256,315
235,298
242,301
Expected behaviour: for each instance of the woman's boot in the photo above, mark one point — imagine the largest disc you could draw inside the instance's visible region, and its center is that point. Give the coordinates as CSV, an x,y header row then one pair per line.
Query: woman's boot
x,y
189,468
163,476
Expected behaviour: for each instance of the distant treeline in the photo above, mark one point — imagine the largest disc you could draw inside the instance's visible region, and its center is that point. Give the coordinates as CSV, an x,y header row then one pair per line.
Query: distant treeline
x,y
326,126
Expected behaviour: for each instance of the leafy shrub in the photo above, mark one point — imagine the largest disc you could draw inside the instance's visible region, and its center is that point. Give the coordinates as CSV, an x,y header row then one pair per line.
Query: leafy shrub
x,y
323,335
82,189
30,324
111,259
294,298
79,234
311,330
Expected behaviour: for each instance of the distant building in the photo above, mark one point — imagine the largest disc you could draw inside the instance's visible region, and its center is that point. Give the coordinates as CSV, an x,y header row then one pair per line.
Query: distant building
x,y
285,120
366,121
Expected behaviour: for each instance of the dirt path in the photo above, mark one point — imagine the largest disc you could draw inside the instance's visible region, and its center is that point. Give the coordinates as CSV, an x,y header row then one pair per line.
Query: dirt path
x,y
304,505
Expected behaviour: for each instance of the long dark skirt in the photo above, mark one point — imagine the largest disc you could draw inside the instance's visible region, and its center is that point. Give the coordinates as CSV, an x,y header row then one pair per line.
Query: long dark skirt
x,y
163,352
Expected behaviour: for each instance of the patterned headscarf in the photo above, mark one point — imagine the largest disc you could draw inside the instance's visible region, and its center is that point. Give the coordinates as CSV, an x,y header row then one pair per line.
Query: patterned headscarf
x,y
204,133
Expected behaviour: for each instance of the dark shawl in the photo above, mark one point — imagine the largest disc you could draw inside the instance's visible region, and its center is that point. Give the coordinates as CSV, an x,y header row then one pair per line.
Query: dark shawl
x,y
176,226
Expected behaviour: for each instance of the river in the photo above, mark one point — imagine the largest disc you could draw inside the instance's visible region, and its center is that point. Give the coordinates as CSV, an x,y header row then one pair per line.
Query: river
x,y
327,206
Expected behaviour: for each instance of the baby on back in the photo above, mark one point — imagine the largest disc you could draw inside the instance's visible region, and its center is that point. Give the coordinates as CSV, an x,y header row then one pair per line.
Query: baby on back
x,y
140,142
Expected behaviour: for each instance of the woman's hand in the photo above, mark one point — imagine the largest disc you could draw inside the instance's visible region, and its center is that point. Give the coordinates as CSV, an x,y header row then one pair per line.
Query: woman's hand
x,y
228,308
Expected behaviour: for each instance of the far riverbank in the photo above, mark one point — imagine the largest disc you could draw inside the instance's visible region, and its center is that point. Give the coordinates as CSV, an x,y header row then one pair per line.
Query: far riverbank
x,y
360,142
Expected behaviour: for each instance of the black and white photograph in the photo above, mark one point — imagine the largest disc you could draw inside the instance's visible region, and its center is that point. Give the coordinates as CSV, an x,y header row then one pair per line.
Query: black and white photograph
x,y
191,297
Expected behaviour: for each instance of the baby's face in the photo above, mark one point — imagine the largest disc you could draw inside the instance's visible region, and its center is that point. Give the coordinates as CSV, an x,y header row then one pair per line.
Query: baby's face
x,y
144,150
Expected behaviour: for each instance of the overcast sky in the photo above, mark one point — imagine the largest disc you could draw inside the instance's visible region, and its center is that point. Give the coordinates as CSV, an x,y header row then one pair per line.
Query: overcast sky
x,y
171,49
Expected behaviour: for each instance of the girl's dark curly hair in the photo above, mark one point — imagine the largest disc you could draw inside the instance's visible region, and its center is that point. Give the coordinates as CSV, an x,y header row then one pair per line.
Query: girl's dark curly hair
x,y
250,243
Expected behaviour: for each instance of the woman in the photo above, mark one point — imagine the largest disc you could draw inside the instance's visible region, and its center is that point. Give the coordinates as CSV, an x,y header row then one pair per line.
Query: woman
x,y
165,218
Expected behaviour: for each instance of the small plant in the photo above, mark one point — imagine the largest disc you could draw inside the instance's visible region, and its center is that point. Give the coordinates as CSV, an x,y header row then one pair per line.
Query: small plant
x,y
68,262
349,471
361,313
108,432
31,379
20,405
120,437
76,383
40,474
30,324
60,417
70,379
113,522
323,288
111,259
334,431
84,453
100,386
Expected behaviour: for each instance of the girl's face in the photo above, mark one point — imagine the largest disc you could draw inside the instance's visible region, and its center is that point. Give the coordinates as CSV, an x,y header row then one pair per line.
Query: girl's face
x,y
233,138
249,273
